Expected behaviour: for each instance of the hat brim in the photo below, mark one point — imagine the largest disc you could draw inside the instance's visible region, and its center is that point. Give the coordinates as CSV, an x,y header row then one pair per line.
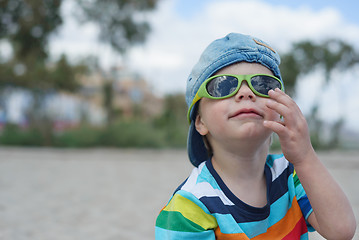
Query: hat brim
x,y
197,151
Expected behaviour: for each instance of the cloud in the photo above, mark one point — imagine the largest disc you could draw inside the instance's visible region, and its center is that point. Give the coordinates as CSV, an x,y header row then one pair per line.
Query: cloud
x,y
176,43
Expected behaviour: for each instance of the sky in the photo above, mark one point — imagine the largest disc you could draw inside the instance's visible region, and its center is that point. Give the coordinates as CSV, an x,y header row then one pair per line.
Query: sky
x,y
181,29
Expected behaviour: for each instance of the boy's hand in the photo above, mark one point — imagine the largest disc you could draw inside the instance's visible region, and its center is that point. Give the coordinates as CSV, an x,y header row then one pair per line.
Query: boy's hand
x,y
325,195
292,130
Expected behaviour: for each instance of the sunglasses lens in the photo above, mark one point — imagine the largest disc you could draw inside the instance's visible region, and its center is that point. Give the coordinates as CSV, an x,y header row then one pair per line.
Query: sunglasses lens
x,y
222,86
263,84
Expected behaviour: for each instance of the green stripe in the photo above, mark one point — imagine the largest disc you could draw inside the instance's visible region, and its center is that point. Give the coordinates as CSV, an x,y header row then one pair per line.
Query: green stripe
x,y
296,180
175,221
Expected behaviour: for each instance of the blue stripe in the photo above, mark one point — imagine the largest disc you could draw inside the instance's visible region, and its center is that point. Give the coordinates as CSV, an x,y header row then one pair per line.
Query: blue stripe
x,y
253,229
280,208
162,234
271,158
278,211
305,206
279,186
227,224
206,176
215,205
300,191
232,215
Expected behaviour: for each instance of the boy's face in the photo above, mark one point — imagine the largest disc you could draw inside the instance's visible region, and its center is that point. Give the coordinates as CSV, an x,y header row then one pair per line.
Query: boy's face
x,y
239,117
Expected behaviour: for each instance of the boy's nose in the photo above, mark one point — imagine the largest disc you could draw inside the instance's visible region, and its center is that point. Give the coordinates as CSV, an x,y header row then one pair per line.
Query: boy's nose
x,y
244,93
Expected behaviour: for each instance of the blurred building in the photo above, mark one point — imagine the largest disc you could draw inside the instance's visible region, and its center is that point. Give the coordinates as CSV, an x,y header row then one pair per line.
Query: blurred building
x,y
131,94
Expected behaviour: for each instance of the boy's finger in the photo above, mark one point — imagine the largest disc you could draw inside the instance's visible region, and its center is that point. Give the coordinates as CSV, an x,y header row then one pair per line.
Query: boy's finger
x,y
281,97
278,107
278,127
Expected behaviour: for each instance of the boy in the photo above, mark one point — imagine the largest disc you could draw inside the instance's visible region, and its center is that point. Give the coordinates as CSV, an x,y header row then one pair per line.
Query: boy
x,y
236,101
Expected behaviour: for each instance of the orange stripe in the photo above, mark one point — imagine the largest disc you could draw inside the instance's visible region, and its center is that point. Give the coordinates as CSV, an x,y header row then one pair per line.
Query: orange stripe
x,y
285,225
280,230
230,236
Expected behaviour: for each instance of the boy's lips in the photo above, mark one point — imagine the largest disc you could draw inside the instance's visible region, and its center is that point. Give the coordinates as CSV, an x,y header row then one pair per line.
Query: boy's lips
x,y
246,112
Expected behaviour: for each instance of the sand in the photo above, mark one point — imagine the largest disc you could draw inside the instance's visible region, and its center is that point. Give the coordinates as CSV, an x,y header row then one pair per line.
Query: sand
x,y
106,194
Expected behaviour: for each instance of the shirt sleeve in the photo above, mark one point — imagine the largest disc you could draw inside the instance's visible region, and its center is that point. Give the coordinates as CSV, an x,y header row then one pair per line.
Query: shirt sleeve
x,y
303,200
185,217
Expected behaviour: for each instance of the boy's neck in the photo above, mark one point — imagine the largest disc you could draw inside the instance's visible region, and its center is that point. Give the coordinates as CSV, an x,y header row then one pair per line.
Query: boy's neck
x,y
241,160
240,165
242,171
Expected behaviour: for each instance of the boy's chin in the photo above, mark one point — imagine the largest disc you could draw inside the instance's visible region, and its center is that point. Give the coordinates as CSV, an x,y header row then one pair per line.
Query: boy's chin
x,y
254,133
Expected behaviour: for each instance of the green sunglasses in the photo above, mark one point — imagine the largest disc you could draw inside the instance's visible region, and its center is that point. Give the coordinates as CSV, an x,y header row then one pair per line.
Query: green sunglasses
x,y
227,85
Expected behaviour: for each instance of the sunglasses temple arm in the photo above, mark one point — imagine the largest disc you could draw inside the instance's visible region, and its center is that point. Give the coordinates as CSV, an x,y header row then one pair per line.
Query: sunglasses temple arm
x,y
195,100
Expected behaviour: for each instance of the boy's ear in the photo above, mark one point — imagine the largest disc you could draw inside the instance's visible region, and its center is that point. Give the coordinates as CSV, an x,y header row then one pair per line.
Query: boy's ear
x,y
200,126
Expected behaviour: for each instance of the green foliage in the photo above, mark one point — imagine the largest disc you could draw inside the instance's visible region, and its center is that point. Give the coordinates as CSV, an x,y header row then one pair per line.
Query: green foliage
x,y
169,130
290,71
118,20
15,135
64,75
133,133
84,136
28,25
306,56
330,54
173,120
37,77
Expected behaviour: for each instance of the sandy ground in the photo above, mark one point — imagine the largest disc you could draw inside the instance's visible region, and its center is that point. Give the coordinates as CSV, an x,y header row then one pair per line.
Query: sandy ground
x,y
106,194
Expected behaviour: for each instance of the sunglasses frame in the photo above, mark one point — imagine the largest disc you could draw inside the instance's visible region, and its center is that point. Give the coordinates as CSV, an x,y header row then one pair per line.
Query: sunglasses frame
x,y
202,91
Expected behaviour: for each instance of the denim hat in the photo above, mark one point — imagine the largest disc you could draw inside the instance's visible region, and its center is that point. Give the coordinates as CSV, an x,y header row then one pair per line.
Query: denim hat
x,y
222,52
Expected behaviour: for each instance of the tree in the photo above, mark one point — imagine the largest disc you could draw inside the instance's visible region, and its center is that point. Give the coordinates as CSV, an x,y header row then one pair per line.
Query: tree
x,y
118,20
28,24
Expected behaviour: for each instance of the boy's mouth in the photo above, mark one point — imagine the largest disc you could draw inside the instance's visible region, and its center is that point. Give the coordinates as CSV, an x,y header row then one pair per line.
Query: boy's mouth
x,y
246,112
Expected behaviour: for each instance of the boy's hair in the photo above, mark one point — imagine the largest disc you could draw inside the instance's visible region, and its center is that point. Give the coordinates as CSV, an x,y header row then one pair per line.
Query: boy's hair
x,y
220,53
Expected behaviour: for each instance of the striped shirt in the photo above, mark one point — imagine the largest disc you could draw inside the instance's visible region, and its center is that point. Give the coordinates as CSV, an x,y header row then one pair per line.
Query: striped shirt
x,y
204,208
